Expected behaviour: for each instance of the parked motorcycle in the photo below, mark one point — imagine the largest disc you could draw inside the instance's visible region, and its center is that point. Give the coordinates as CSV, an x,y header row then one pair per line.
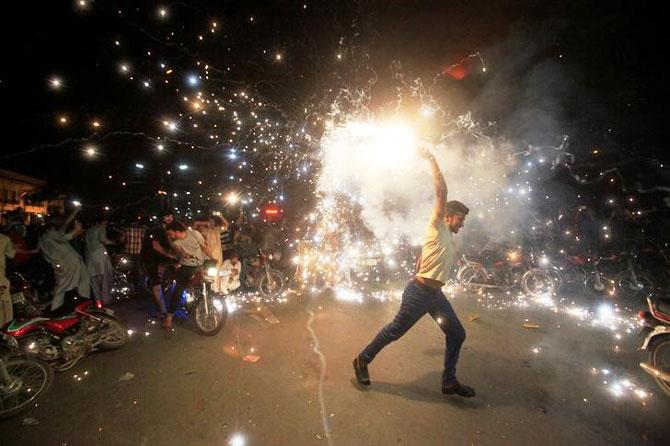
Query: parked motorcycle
x,y
23,379
543,278
589,271
631,282
260,274
501,274
656,332
64,340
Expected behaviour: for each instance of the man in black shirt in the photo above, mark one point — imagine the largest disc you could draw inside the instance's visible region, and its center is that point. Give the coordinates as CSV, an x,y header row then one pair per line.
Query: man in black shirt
x,y
156,254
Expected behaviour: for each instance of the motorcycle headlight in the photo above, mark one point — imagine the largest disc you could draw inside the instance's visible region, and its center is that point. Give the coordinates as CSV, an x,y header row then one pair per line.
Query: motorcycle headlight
x,y
212,271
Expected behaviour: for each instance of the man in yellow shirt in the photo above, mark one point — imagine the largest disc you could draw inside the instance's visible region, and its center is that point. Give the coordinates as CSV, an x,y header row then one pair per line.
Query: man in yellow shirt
x,y
423,294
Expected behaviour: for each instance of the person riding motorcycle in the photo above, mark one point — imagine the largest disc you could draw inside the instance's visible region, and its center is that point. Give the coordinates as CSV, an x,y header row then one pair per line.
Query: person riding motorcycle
x,y
192,251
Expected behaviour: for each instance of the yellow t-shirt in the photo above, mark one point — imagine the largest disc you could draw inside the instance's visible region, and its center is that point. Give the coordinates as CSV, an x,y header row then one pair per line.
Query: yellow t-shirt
x,y
438,252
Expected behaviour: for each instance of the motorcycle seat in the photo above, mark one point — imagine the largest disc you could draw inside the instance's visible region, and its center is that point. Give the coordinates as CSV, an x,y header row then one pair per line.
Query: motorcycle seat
x,y
69,307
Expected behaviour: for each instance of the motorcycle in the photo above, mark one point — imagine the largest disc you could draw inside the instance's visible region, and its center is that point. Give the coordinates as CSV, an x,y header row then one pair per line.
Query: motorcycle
x,y
259,274
27,301
589,271
632,282
23,379
209,309
31,288
64,340
656,332
543,279
502,274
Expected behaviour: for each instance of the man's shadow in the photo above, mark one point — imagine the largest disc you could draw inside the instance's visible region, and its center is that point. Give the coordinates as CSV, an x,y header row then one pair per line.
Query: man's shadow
x,y
494,387
426,389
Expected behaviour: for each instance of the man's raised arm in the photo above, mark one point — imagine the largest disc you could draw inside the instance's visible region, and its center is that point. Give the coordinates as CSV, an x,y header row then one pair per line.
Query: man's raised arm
x,y
439,182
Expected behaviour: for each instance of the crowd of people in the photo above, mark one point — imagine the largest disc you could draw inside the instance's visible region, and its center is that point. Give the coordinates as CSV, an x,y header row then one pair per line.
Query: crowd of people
x,y
77,250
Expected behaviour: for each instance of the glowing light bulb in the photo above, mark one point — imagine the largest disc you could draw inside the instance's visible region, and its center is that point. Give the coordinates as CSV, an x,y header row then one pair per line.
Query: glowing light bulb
x,y
192,80
237,440
56,83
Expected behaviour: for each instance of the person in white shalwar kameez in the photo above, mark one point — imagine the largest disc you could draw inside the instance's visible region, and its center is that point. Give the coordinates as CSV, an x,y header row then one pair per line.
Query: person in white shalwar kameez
x,y
69,269
97,261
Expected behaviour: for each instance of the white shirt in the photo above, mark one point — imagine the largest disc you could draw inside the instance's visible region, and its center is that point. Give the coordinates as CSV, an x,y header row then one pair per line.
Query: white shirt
x,y
191,245
6,250
438,252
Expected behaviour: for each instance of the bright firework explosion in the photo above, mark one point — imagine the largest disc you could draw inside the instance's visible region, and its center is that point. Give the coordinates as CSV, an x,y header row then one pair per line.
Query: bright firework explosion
x,y
376,194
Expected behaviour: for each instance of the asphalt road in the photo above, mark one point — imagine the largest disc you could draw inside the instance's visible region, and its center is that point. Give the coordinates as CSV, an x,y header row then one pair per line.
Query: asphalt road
x,y
264,382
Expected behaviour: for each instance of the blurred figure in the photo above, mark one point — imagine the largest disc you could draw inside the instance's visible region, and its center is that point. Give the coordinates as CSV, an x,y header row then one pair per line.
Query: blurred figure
x,y
16,221
246,249
156,254
6,251
210,228
230,270
97,260
70,271
228,237
589,229
23,253
132,236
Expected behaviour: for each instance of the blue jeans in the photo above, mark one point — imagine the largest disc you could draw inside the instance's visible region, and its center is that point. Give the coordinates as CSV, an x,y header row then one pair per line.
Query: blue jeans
x,y
418,300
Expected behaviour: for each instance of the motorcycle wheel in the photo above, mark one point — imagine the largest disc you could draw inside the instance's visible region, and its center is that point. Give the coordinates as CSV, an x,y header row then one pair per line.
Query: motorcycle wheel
x,y
117,333
538,282
557,277
471,275
659,357
270,283
632,288
33,378
210,322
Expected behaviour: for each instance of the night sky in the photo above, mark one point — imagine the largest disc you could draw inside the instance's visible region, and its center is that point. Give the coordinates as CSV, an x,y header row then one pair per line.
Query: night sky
x,y
596,71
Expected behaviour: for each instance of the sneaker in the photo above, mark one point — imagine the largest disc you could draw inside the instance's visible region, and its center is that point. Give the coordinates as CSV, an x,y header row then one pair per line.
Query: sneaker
x,y
458,389
361,371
